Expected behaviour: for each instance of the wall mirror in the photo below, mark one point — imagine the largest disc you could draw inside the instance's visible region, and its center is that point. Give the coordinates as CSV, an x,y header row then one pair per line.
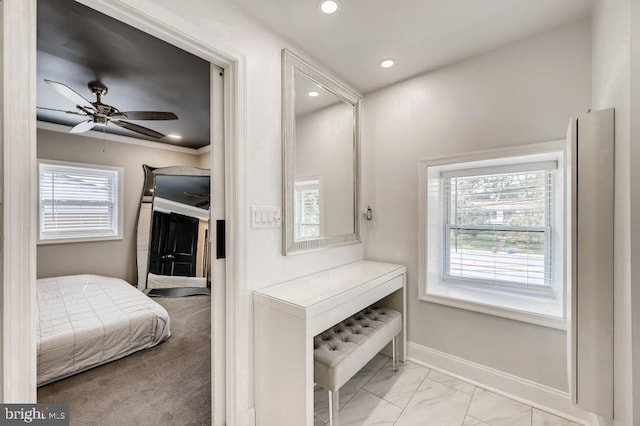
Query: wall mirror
x,y
173,228
321,158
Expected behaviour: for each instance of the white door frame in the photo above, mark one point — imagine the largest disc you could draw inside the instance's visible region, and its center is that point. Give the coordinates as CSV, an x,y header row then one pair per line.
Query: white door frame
x,y
19,201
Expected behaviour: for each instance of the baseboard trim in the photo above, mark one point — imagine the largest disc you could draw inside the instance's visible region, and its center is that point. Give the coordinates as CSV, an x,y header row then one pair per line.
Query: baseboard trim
x,y
523,390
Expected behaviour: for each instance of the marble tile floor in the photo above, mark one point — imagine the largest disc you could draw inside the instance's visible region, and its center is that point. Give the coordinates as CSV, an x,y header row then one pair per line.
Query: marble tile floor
x,y
418,396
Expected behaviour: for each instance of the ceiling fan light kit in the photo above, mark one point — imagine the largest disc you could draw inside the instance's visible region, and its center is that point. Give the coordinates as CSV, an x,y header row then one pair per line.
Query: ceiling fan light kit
x,y
102,114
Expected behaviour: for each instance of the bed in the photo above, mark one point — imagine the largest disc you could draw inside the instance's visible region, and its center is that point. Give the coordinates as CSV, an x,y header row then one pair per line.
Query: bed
x,y
89,320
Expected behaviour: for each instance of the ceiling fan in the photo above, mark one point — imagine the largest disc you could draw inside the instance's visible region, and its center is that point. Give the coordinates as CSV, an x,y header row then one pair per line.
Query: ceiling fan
x,y
103,114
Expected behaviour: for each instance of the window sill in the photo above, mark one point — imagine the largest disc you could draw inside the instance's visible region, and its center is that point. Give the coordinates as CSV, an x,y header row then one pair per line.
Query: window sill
x,y
80,240
547,312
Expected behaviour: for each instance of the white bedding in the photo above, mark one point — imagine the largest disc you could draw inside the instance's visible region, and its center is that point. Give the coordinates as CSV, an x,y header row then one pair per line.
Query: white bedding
x,y
89,320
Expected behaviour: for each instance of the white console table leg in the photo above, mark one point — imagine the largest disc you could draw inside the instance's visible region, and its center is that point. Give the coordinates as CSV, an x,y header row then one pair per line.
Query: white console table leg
x,y
284,369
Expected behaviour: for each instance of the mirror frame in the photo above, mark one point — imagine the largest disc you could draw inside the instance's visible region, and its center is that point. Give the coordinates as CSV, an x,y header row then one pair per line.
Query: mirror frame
x,y
291,63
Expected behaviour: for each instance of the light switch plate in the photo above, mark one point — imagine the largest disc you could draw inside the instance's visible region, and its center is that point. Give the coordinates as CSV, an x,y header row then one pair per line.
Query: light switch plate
x,y
265,217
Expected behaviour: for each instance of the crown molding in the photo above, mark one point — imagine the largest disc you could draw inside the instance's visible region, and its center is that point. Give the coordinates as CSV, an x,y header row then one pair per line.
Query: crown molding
x,y
60,128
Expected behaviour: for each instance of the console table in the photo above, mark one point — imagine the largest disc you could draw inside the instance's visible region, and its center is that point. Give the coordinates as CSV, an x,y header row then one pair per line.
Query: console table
x,y
288,315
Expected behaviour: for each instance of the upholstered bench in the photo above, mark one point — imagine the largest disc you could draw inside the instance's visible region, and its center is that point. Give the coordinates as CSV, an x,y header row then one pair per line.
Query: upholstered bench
x,y
341,351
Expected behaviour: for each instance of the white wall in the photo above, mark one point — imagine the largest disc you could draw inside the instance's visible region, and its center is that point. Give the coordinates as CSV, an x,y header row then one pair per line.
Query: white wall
x,y
225,27
204,160
110,258
219,19
635,205
2,62
611,87
324,147
520,94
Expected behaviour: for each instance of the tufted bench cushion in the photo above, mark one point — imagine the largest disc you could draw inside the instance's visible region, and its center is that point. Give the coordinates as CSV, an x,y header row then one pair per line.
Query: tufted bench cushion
x,y
341,351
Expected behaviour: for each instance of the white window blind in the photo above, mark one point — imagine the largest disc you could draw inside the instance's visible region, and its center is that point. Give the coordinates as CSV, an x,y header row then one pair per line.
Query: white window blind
x,y
78,202
498,225
307,209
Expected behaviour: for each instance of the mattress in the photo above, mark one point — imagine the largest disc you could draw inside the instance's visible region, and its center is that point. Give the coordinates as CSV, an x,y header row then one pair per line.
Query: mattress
x,y
166,281
89,320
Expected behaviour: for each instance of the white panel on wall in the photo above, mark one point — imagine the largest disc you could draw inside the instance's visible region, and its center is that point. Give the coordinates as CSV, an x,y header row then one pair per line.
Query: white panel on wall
x,y
611,87
590,271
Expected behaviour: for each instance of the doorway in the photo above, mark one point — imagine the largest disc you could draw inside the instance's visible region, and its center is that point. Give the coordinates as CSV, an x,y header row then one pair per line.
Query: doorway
x,y
20,202
174,243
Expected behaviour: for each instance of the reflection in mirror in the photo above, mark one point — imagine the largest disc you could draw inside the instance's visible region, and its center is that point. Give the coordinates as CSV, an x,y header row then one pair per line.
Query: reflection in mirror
x,y
179,232
177,227
321,159
323,197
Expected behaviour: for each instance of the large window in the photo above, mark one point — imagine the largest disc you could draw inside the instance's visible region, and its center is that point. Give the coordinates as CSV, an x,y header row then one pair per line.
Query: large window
x,y
79,202
497,225
492,235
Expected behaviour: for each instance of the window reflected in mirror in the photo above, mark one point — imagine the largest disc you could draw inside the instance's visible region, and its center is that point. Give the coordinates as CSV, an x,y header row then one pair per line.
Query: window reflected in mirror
x,y
308,217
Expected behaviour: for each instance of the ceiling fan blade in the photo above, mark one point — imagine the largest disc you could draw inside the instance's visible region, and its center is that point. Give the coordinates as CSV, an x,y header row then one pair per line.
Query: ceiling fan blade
x,y
70,94
138,129
61,110
85,126
146,115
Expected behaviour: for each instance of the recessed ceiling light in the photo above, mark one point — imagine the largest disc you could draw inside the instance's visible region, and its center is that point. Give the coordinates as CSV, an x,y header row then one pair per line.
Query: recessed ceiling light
x,y
329,6
174,136
313,93
387,63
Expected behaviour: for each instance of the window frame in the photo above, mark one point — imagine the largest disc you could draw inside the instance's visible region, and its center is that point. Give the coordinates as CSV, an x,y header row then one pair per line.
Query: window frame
x,y
118,211
542,308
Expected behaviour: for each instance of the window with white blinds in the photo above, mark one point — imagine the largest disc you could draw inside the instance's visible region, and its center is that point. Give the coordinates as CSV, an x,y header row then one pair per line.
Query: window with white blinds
x,y
78,202
498,225
307,209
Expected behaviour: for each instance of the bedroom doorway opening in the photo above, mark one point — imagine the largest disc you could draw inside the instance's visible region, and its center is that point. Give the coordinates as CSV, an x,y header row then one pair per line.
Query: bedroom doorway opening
x,y
19,385
144,74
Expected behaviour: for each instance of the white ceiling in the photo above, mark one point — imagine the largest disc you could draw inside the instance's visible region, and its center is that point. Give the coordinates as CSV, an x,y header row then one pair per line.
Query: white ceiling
x,y
420,35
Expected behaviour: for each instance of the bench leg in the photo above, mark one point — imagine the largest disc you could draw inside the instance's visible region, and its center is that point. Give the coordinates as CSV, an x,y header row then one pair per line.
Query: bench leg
x,y
330,408
334,397
393,353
